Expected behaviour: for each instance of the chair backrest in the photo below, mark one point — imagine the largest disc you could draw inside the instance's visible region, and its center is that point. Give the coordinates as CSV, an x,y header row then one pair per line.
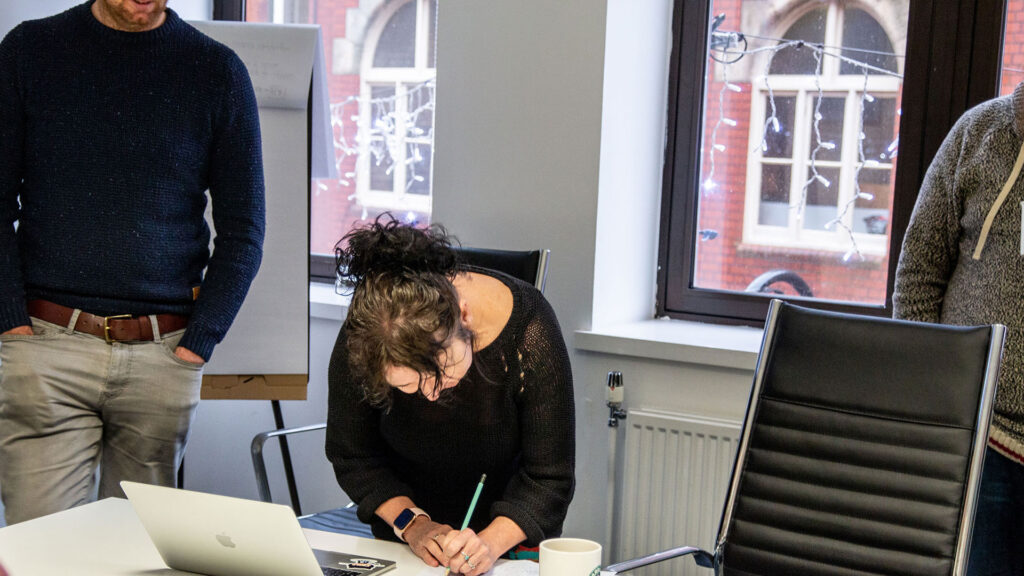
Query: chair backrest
x,y
530,266
862,447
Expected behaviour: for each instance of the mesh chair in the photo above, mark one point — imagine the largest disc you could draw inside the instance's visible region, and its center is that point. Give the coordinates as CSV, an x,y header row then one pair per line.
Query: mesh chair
x,y
861,451
528,265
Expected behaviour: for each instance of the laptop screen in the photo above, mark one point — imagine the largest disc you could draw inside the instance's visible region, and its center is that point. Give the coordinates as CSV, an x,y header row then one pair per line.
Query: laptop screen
x,y
226,536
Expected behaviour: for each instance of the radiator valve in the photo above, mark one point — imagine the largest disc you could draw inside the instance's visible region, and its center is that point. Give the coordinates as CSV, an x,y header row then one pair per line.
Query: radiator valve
x,y
615,397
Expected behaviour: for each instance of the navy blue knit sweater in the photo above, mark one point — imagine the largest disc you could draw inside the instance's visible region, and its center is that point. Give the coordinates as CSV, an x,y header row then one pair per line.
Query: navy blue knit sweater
x,y
108,141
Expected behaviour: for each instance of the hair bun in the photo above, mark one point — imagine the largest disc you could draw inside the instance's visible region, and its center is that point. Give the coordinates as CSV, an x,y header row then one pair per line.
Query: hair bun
x,y
389,246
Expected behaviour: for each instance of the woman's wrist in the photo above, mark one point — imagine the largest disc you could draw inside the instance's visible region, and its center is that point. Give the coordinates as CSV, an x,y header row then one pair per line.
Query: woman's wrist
x,y
501,535
406,519
390,509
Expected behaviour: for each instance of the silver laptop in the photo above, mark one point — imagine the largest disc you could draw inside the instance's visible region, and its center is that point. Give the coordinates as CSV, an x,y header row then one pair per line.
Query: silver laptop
x,y
224,536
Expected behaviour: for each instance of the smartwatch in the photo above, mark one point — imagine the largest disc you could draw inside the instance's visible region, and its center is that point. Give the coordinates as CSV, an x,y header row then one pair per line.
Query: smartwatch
x,y
404,520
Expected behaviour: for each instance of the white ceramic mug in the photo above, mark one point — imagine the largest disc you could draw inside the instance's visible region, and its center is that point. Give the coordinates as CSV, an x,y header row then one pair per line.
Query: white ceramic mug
x,y
570,557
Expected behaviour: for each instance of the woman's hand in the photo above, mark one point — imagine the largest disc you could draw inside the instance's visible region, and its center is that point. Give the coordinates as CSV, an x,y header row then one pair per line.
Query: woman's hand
x,y
424,537
469,553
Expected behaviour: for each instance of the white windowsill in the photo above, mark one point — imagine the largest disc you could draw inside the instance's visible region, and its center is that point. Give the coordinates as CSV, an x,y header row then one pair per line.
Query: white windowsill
x,y
677,341
325,303
673,340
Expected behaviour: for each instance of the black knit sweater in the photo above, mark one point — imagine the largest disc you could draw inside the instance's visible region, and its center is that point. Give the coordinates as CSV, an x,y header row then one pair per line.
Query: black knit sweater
x,y
511,417
109,140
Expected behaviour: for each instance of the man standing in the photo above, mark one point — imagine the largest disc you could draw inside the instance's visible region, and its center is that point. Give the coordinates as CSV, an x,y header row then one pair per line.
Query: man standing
x,y
962,263
115,118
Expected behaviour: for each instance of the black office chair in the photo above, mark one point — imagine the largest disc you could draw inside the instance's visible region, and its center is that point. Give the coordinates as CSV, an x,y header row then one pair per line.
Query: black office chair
x,y
861,452
527,265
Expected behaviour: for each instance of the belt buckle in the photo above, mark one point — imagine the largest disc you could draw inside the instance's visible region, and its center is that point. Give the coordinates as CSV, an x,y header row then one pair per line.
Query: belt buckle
x,y
106,325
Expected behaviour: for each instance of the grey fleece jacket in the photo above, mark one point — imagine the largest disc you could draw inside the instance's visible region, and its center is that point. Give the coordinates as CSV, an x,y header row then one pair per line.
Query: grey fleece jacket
x,y
939,280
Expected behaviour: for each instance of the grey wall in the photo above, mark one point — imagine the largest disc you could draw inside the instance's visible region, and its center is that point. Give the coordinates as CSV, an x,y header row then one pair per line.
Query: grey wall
x,y
518,133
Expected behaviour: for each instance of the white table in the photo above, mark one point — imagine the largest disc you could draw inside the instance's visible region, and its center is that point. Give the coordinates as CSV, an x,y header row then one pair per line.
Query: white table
x,y
106,538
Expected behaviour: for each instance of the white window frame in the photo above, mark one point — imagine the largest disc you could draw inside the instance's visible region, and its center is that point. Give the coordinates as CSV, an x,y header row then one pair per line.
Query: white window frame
x,y
396,199
288,11
805,90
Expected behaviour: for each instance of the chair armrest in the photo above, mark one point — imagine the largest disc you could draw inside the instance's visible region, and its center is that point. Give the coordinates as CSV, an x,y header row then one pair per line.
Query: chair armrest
x,y
256,449
701,557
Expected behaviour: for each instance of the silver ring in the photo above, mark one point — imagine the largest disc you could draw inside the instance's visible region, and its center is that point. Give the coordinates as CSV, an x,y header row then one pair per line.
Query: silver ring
x,y
471,565
466,558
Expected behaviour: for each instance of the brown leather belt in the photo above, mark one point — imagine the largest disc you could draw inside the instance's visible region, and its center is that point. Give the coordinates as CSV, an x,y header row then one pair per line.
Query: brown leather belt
x,y
123,328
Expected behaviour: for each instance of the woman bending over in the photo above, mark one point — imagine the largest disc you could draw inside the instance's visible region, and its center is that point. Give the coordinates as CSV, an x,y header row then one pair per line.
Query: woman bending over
x,y
441,373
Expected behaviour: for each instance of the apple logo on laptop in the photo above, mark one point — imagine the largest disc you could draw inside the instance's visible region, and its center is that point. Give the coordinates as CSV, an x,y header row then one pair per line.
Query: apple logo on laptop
x,y
225,540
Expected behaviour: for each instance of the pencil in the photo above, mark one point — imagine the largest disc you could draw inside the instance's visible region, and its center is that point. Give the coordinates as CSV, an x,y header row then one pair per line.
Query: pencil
x,y
472,506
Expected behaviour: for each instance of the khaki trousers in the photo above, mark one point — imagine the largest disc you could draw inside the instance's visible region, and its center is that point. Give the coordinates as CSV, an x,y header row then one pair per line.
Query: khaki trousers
x,y
70,402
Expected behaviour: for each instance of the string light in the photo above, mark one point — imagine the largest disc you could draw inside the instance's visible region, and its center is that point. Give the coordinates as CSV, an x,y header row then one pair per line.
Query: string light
x,y
709,182
815,176
840,48
773,118
391,126
773,123
891,149
840,220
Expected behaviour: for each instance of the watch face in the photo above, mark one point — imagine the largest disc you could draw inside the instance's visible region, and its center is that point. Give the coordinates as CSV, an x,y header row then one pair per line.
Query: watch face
x,y
404,518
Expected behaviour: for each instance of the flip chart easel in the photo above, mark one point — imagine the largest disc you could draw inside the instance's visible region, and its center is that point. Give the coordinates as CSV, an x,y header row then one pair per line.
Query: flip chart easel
x,y
265,355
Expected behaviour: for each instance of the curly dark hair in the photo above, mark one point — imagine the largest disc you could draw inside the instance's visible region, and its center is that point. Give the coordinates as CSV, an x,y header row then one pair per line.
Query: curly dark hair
x,y
404,308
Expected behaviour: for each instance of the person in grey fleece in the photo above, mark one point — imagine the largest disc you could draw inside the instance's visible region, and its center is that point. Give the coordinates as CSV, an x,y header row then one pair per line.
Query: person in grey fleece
x,y
963,263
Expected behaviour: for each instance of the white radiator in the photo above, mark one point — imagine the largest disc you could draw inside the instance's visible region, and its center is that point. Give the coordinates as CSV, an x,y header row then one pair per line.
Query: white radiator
x,y
671,488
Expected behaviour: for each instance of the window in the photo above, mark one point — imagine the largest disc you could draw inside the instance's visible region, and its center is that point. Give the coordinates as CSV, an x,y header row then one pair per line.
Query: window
x,y
821,178
1012,71
792,169
381,78
398,79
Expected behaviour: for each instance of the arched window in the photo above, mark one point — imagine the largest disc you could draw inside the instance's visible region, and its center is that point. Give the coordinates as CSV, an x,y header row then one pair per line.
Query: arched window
x,y
397,108
379,57
823,126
